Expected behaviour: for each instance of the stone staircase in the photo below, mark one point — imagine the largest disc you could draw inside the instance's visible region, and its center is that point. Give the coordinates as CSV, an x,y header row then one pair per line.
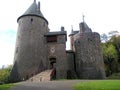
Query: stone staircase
x,y
43,76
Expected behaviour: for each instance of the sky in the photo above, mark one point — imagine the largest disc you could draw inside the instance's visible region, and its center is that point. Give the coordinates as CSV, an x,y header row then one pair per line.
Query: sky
x,y
102,16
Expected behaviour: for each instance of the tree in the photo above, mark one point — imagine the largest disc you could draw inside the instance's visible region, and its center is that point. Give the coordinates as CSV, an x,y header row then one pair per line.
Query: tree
x,y
5,73
104,37
110,55
116,41
113,33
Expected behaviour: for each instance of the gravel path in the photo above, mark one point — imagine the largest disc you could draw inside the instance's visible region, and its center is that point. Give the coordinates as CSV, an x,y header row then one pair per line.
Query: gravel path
x,y
51,85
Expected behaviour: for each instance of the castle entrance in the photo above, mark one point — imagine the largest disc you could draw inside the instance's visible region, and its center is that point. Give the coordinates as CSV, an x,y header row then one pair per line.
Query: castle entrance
x,y
52,63
53,67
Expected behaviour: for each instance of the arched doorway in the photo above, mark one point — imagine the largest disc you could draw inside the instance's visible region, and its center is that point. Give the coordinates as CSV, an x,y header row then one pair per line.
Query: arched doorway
x,y
53,67
52,63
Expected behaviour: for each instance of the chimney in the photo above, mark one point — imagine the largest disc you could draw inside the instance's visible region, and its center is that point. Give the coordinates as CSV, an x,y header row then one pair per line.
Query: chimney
x,y
62,28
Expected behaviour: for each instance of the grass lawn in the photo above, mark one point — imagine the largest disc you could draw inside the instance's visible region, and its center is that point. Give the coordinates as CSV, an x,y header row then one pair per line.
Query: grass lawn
x,y
6,86
98,85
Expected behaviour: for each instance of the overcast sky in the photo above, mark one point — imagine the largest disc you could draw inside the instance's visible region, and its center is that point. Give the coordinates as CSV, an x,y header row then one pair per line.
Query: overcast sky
x,y
102,16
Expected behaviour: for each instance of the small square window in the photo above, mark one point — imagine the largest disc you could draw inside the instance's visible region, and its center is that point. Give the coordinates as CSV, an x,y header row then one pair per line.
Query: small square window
x,y
52,39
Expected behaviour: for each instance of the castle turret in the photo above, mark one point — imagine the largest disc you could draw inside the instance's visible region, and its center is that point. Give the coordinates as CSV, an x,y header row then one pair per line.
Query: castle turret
x,y
88,54
30,52
72,39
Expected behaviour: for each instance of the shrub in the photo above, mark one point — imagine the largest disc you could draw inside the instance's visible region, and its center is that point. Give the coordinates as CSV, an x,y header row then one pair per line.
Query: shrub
x,y
4,74
114,76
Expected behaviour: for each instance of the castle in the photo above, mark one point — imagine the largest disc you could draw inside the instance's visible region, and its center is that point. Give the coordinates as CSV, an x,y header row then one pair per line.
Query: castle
x,y
38,49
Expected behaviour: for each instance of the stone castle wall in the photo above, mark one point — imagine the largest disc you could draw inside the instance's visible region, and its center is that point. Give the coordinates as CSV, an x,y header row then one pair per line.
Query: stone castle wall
x,y
57,50
89,59
71,65
34,54
30,54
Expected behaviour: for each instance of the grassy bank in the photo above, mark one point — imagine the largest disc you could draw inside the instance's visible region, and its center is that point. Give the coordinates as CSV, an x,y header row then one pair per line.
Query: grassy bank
x,y
6,86
98,85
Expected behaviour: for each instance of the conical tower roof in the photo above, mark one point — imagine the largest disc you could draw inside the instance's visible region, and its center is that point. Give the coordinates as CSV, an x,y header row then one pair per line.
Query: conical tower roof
x,y
34,10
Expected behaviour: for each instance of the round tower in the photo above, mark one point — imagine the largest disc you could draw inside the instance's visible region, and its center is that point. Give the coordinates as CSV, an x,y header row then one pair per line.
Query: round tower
x,y
89,59
72,40
30,53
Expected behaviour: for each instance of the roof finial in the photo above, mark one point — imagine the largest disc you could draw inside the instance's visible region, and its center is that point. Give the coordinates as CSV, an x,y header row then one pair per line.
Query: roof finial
x,y
34,0
38,5
71,28
83,16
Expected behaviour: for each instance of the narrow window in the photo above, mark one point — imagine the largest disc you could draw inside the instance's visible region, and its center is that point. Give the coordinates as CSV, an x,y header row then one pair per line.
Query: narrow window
x,y
31,20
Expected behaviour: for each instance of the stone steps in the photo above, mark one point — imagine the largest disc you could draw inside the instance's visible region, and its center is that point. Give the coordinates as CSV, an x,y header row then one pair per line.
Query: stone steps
x,y
43,76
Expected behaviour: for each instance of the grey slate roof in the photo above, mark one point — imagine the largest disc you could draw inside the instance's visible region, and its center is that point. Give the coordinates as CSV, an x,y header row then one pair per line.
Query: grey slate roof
x,y
56,33
74,32
84,27
34,10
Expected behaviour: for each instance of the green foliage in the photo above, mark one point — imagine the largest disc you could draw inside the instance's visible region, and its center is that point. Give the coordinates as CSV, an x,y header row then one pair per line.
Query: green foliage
x,y
6,86
111,55
116,42
114,76
4,74
98,85
109,51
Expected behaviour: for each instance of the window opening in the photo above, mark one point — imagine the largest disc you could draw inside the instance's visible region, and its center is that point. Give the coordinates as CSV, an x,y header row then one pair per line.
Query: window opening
x,y
52,39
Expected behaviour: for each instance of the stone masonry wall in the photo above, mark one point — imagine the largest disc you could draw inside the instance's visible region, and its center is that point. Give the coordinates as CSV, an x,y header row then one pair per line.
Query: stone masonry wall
x,y
71,65
89,59
60,54
30,53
